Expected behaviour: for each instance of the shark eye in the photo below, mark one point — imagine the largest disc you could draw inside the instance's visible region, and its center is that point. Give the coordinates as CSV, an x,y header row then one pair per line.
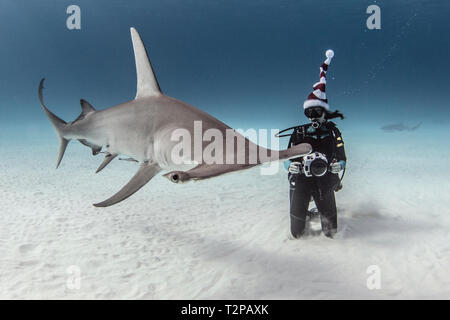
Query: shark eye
x,y
175,178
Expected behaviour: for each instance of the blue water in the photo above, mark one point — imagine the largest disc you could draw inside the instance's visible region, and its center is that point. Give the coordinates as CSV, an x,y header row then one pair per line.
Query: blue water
x,y
249,63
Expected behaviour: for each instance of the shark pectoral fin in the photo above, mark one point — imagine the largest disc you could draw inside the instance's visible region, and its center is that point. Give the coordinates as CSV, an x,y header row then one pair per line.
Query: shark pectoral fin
x,y
144,174
108,158
147,84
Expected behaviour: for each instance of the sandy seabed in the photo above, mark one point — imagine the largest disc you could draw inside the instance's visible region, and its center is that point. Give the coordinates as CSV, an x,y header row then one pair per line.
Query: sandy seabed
x,y
224,238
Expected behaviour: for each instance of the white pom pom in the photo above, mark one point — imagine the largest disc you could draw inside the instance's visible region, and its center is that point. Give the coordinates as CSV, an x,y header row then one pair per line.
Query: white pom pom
x,y
329,53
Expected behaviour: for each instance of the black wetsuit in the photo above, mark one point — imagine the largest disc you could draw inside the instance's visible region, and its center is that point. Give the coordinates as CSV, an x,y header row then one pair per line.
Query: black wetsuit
x,y
327,140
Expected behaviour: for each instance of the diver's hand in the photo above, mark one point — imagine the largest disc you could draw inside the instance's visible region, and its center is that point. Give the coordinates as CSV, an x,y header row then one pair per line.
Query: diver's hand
x,y
295,167
337,167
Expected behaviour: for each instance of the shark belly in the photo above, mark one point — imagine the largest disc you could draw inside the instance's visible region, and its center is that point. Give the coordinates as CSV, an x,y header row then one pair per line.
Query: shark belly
x,y
131,137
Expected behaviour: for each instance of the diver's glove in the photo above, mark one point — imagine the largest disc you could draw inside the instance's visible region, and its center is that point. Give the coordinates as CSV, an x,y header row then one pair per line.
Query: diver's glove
x,y
337,166
295,167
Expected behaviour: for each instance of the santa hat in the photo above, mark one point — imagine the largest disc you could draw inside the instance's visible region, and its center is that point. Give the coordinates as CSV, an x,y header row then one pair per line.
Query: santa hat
x,y
318,97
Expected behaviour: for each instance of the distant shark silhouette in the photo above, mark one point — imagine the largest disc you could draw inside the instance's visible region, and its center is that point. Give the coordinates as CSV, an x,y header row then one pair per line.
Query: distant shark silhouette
x,y
141,129
399,127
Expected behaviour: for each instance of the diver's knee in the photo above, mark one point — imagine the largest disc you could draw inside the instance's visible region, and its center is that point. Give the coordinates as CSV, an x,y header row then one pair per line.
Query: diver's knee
x,y
297,226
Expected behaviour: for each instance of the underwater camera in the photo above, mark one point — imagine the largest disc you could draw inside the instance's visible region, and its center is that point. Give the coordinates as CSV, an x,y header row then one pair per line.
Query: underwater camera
x,y
315,164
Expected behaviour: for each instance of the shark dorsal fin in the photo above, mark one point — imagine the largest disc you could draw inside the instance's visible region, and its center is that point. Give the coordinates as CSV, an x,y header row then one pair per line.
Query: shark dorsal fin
x,y
147,84
86,107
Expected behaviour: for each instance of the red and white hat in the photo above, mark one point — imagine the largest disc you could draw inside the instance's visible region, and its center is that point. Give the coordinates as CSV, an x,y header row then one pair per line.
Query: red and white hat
x,y
318,97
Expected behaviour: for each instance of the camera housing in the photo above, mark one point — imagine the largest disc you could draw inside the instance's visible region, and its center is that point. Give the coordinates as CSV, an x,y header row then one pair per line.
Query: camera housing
x,y
315,164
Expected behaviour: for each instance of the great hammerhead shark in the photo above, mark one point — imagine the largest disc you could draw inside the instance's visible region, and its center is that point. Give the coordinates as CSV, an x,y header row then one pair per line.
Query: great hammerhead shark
x,y
143,129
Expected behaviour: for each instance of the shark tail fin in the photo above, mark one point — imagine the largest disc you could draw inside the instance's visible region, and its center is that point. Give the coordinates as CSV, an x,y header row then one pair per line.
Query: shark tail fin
x,y
58,124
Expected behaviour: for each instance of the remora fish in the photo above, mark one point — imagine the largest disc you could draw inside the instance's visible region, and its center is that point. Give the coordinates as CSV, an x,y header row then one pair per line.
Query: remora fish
x,y
142,130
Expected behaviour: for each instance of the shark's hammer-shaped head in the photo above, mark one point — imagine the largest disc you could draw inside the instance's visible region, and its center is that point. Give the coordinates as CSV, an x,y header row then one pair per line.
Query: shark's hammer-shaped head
x,y
177,176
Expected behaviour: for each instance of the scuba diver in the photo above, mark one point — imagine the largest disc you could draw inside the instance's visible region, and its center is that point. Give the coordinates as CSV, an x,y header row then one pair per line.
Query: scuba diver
x,y
316,175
